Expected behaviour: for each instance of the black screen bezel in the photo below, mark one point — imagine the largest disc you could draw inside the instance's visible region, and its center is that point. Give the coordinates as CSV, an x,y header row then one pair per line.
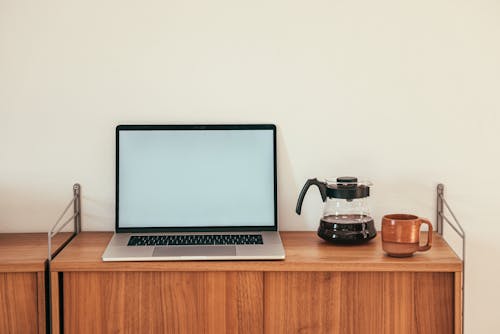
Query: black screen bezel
x,y
130,127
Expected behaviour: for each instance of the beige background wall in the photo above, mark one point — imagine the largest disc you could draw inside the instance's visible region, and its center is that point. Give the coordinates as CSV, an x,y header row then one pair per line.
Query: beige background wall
x,y
405,93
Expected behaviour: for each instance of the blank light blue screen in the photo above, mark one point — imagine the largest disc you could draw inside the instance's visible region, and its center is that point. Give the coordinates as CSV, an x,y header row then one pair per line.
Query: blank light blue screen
x,y
196,178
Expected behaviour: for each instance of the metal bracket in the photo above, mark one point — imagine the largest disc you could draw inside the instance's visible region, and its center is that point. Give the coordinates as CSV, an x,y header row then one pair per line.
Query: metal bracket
x,y
76,218
457,227
56,228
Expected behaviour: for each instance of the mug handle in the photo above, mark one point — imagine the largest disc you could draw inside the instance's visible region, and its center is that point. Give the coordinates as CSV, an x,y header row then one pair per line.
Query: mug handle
x,y
429,235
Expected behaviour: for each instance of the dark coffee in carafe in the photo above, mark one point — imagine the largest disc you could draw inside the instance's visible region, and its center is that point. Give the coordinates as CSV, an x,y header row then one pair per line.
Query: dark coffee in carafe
x,y
351,228
346,216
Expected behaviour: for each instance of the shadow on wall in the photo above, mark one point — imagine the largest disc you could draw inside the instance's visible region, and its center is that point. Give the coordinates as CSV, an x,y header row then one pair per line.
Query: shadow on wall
x,y
412,195
98,214
286,183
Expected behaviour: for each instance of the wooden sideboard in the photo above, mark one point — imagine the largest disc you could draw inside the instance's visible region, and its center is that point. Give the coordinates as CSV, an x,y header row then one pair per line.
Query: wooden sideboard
x,y
319,288
23,259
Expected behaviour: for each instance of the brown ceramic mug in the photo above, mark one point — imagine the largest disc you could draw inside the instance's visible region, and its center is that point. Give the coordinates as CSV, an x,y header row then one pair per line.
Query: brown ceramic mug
x,y
401,234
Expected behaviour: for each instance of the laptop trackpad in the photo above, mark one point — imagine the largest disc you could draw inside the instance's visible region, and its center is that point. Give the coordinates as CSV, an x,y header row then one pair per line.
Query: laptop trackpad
x,y
195,251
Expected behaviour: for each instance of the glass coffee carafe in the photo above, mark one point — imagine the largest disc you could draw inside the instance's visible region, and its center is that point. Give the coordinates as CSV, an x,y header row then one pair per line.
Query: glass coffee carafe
x,y
346,215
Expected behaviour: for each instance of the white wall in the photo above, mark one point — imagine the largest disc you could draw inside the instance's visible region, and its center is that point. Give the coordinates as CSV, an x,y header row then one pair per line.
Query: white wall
x,y
405,93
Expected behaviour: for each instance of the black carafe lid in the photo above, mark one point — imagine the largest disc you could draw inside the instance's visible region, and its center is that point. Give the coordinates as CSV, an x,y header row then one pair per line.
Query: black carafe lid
x,y
347,187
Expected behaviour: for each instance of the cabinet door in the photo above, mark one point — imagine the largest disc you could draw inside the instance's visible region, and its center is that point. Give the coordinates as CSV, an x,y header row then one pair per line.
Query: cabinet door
x,y
19,303
358,302
163,302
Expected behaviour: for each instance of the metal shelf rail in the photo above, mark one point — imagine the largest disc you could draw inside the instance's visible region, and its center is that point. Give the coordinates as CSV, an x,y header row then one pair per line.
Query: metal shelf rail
x,y
76,218
442,209
56,228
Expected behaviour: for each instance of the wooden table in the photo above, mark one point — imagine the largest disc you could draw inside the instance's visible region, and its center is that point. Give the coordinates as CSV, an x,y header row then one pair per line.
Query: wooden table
x,y
23,259
319,288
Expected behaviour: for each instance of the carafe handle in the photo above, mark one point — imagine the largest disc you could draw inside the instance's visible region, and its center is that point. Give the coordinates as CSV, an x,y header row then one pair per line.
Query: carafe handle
x,y
322,190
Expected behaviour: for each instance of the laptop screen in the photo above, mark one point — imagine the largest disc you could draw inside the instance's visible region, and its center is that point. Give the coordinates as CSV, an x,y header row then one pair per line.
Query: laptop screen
x,y
195,178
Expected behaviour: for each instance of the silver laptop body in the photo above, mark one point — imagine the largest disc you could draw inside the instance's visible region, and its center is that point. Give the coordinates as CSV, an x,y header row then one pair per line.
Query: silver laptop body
x,y
195,192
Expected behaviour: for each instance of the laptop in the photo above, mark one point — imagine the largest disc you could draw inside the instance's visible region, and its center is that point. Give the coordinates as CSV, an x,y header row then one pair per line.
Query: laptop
x,y
195,192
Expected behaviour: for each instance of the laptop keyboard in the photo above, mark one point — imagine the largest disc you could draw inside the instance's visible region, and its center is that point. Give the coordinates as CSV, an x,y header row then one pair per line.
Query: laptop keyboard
x,y
195,239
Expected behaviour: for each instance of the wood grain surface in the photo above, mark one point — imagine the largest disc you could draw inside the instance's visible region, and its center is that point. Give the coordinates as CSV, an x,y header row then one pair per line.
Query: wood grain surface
x,y
359,302
458,302
26,252
40,279
302,302
319,288
54,298
22,281
18,303
163,302
304,252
